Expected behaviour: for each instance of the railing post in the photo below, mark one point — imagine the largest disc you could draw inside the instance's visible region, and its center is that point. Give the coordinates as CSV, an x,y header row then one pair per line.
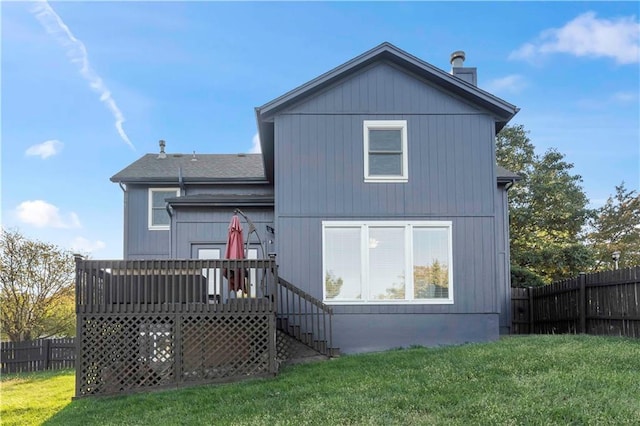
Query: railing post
x,y
274,289
79,332
531,317
78,258
582,307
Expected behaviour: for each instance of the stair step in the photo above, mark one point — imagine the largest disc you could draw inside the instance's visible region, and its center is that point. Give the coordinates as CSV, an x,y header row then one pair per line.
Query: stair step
x,y
282,323
306,338
334,352
320,345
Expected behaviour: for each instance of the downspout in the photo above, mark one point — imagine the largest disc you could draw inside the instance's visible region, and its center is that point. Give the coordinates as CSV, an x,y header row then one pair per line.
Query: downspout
x,y
125,208
509,184
183,191
170,213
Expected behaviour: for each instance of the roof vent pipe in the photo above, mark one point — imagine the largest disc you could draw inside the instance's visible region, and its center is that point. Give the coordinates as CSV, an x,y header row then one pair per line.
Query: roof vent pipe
x,y
457,59
162,153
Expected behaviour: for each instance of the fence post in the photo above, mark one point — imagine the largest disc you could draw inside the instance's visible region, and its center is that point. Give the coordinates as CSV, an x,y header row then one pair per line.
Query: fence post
x,y
530,293
46,352
582,307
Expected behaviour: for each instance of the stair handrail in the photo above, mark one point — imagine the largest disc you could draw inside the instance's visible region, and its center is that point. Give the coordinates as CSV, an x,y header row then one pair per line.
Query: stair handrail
x,y
326,309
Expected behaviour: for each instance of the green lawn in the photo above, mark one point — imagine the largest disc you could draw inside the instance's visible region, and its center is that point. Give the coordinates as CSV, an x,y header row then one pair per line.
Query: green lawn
x,y
32,398
519,380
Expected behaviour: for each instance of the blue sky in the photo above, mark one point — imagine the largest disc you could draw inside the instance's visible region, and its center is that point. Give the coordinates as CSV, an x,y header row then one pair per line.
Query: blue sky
x,y
87,88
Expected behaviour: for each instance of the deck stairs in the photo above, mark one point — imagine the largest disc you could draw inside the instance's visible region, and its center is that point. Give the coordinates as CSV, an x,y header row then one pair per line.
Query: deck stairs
x,y
304,326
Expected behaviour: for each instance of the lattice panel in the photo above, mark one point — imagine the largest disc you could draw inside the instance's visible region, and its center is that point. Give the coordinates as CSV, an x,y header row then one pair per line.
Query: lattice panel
x,y
282,346
216,346
123,353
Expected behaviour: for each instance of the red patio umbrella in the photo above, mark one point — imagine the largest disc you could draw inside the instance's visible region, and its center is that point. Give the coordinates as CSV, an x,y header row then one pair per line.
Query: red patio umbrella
x,y
235,250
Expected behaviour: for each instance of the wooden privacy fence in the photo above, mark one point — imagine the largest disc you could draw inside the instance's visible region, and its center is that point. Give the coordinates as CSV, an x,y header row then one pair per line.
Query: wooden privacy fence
x,y
604,303
37,355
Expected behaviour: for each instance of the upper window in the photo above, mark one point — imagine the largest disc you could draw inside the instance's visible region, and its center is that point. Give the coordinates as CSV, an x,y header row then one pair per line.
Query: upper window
x,y
158,215
385,149
387,262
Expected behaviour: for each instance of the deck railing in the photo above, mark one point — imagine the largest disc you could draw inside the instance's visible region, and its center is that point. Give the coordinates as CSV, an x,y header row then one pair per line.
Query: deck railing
x,y
146,324
304,317
139,286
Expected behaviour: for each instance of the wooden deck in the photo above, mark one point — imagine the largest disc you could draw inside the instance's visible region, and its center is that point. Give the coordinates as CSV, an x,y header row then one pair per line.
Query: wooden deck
x,y
150,324
153,324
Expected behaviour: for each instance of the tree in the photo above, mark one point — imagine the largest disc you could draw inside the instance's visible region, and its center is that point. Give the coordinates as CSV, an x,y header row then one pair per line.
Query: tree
x,y
616,227
37,289
547,212
332,285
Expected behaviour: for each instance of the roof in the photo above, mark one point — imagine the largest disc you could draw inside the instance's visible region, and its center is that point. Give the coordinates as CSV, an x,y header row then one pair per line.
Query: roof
x,y
220,200
502,110
206,168
505,175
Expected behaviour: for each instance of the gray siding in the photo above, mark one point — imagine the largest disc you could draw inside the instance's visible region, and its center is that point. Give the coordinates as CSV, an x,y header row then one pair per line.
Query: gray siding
x,y
142,243
383,88
474,274
320,167
363,333
319,175
207,226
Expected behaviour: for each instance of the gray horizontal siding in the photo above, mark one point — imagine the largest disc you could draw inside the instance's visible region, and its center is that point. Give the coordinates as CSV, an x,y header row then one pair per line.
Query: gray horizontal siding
x,y
474,260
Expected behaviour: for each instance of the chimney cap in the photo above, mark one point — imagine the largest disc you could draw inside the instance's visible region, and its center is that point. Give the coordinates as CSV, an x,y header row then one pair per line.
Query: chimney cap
x,y
457,58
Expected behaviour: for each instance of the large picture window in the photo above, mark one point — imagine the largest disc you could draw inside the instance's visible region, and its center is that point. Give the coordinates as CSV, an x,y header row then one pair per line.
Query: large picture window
x,y
158,216
387,262
385,151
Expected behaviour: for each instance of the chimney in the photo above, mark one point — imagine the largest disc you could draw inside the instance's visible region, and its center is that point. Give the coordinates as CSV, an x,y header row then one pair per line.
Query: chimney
x,y
470,75
162,145
457,59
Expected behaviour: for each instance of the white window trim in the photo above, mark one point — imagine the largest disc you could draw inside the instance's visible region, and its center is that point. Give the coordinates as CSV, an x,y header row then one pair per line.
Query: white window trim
x,y
386,125
364,260
153,227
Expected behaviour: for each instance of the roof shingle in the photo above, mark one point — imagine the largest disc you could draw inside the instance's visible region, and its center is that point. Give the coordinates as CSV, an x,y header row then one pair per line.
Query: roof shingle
x,y
205,167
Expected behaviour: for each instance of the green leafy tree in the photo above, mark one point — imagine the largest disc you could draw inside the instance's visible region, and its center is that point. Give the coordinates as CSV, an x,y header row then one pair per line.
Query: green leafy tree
x,y
332,285
547,212
37,289
616,227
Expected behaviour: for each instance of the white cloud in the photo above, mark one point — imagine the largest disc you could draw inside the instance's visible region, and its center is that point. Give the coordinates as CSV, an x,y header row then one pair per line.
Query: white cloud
x,y
77,52
513,83
588,36
83,245
624,97
46,149
255,144
613,100
41,214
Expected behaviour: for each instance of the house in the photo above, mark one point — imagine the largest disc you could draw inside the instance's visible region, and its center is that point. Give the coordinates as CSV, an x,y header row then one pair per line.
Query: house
x,y
378,190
